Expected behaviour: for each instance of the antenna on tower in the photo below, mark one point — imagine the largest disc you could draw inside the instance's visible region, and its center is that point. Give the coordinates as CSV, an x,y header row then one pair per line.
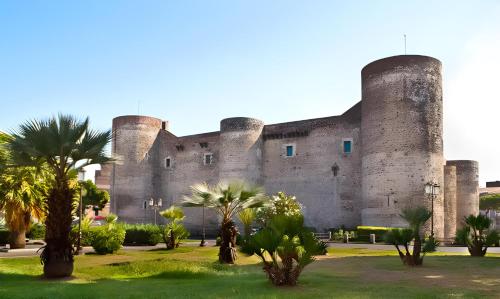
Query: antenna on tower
x,y
405,42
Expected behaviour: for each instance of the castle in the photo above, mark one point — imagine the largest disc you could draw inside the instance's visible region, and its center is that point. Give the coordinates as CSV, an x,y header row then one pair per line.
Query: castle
x,y
358,168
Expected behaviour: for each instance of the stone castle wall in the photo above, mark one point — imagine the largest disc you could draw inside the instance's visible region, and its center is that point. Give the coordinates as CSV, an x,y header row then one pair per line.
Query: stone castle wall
x,y
397,147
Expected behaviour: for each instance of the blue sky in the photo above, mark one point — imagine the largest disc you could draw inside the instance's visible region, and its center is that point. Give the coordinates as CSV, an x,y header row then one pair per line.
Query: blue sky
x,y
197,62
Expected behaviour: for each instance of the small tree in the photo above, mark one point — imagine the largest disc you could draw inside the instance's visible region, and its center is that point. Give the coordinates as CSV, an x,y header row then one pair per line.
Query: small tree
x,y
477,235
285,247
227,199
416,217
247,217
94,197
279,204
174,231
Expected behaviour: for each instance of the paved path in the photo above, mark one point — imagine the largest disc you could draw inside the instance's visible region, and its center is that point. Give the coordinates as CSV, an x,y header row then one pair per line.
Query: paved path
x,y
31,250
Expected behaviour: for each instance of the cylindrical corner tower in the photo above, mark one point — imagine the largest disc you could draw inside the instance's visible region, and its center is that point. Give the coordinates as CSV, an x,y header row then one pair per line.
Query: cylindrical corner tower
x,y
132,181
450,202
241,149
467,189
401,136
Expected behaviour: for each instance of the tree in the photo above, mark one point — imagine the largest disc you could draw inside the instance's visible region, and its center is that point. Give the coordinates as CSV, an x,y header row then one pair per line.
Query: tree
x,y
477,235
94,197
280,204
174,231
247,217
227,199
65,144
416,217
22,190
285,247
22,194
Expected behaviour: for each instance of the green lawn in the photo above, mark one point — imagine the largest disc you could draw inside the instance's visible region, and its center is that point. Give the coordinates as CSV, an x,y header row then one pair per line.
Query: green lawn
x,y
192,272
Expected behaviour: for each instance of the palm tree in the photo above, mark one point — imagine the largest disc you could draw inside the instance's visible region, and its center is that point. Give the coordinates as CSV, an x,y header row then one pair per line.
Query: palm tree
x,y
247,217
65,144
477,235
227,199
416,218
22,194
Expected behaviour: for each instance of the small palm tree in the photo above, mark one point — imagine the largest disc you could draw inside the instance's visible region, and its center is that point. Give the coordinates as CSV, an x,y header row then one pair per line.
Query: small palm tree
x,y
22,194
227,199
416,218
65,144
285,247
477,235
174,232
247,216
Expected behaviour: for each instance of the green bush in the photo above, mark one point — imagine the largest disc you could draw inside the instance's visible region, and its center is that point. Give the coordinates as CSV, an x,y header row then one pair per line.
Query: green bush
x,y
489,202
365,231
108,238
4,236
36,232
142,234
87,233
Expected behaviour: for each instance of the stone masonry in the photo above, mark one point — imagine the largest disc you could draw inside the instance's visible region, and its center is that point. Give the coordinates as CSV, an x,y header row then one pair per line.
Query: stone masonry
x,y
358,168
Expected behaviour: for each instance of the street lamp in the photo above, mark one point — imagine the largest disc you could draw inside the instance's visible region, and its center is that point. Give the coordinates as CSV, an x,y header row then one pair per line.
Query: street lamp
x,y
155,205
203,243
81,179
432,189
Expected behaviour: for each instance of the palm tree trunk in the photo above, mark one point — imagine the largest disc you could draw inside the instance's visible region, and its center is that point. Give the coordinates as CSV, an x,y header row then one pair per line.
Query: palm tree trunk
x,y
57,256
227,250
18,238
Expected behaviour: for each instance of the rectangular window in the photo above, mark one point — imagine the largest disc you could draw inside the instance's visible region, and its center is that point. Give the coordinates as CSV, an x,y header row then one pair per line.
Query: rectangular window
x,y
289,150
207,159
168,162
347,146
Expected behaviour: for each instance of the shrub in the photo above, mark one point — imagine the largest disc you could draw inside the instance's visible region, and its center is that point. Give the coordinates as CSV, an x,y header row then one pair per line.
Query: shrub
x,y
416,217
4,236
285,247
477,235
340,234
108,238
142,234
489,202
36,232
280,204
174,232
87,233
363,232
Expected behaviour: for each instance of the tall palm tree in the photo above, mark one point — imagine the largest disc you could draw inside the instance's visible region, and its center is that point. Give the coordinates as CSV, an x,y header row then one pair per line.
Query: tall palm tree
x,y
65,144
227,199
22,194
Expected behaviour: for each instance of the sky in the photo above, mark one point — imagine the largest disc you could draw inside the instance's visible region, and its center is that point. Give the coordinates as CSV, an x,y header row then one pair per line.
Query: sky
x,y
194,63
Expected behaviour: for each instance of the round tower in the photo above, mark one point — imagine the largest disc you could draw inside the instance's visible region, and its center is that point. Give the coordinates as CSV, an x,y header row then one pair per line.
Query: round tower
x,y
467,189
241,149
132,180
401,136
450,202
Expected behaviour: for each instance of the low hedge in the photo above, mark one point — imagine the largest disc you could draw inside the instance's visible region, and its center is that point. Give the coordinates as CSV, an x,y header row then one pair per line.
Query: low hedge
x,y
4,236
364,232
142,234
36,232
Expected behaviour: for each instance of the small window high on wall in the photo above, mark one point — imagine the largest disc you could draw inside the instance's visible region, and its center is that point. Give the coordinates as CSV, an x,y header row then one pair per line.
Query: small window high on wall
x,y
168,162
347,146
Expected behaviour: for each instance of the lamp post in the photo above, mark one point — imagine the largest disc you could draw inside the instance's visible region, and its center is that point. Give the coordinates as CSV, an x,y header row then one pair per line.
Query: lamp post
x,y
203,243
432,189
81,179
155,205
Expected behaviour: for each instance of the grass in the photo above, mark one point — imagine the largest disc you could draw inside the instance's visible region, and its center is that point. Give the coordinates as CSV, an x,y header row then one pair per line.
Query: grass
x,y
193,272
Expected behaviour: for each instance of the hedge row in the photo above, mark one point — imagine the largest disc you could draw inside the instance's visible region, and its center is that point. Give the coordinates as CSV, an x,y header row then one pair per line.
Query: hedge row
x,y
142,234
364,233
